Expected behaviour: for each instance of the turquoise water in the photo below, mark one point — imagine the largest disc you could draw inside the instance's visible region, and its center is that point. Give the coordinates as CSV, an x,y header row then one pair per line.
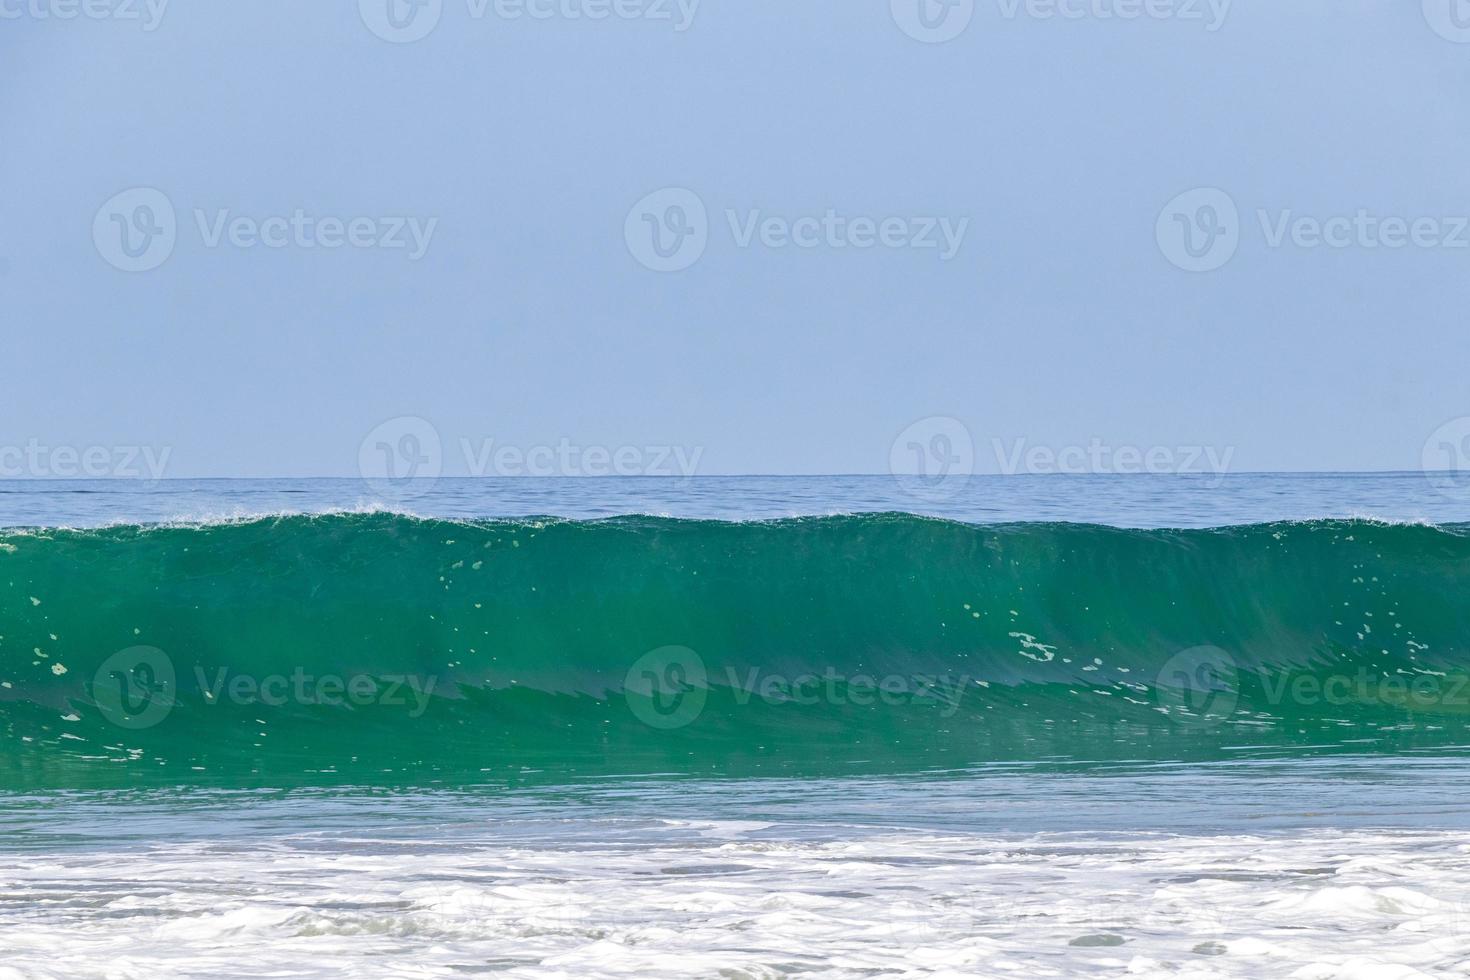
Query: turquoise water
x,y
753,727
346,648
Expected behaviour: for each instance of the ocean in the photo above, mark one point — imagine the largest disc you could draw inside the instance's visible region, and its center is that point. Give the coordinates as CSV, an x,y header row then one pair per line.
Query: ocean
x,y
744,727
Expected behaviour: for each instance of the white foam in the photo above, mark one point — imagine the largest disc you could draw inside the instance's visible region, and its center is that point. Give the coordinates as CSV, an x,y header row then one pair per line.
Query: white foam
x,y
615,898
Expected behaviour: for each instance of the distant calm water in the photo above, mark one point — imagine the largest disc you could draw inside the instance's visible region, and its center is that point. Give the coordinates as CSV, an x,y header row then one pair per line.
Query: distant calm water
x,y
1122,501
748,727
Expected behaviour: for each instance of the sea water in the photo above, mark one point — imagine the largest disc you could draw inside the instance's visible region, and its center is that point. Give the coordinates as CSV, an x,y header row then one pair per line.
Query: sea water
x,y
758,727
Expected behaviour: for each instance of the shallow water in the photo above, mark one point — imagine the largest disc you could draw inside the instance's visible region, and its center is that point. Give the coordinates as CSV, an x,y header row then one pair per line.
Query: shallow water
x,y
1353,868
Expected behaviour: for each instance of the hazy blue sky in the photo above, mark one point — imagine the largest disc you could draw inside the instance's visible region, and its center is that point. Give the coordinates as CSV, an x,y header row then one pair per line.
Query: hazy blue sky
x,y
1046,140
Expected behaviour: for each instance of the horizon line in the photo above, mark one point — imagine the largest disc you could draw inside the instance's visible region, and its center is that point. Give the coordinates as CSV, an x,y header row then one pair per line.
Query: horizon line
x,y
725,476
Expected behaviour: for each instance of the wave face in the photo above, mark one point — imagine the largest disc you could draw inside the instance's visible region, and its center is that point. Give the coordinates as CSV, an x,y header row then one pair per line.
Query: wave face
x,y
381,648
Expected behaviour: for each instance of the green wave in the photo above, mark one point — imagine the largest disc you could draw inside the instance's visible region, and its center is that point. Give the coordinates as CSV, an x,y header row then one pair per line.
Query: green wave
x,y
380,648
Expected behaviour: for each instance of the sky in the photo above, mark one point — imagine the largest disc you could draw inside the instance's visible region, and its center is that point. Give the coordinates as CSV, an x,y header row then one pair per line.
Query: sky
x,y
840,236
